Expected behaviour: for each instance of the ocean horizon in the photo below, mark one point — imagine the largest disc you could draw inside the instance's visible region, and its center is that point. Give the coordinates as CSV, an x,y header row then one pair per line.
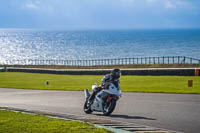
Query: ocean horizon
x,y
20,44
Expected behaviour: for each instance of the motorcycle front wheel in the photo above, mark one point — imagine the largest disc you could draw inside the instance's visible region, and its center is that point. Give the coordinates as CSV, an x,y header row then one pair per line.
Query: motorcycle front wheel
x,y
87,108
109,107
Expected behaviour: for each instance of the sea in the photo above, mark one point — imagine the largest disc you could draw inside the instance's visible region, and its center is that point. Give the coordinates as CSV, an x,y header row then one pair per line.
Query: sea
x,y
21,44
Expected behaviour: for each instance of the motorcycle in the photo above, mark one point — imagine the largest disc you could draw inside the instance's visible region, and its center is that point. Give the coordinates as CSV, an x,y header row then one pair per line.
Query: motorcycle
x,y
104,101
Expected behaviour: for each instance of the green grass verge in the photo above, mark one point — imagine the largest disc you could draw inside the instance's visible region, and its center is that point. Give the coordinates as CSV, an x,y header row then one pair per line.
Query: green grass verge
x,y
12,122
164,84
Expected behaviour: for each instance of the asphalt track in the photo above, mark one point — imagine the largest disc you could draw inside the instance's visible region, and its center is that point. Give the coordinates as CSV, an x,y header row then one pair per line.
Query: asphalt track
x,y
178,112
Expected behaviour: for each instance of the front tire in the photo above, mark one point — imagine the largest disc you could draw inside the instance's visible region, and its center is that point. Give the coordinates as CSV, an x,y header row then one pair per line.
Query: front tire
x,y
87,108
108,108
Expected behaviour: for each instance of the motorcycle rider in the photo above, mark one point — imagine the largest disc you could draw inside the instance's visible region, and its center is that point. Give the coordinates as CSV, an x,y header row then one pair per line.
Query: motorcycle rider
x,y
112,77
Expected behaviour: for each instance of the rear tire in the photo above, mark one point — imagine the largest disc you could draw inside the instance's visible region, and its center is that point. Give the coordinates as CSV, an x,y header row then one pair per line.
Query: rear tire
x,y
87,108
108,108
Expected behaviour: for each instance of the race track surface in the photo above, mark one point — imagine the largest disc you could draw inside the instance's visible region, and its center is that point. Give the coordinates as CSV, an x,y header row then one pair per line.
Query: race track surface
x,y
178,112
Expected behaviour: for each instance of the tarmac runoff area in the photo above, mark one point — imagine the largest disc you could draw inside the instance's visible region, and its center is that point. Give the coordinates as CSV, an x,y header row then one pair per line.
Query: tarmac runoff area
x,y
135,112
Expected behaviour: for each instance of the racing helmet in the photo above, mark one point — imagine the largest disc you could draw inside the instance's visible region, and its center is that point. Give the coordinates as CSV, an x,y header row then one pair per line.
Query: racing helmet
x,y
116,73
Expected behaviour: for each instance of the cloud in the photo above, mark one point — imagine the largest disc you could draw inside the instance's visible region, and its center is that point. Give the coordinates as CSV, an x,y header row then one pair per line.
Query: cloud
x,y
169,4
150,1
177,4
32,4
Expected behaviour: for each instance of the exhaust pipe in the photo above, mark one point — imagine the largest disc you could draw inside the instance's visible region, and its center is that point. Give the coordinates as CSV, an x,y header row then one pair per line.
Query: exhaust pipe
x,y
87,94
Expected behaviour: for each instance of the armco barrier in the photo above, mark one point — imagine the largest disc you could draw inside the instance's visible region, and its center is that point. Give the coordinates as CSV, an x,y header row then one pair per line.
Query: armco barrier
x,y
142,72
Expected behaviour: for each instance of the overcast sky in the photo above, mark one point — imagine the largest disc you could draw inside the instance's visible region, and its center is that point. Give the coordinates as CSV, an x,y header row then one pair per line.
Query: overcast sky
x,y
99,14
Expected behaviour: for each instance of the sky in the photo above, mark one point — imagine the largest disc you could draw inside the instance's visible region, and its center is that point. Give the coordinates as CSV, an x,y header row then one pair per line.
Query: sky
x,y
100,14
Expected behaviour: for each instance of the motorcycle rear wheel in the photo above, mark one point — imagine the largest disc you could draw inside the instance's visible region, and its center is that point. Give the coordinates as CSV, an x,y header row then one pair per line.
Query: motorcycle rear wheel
x,y
108,108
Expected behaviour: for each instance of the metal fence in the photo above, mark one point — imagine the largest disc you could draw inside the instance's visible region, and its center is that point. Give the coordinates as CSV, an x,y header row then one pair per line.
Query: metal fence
x,y
107,62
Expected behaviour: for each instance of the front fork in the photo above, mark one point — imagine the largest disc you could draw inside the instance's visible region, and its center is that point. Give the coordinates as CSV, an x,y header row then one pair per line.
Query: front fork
x,y
87,93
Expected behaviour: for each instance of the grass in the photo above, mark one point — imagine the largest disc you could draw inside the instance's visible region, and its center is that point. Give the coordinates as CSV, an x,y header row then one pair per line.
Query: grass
x,y
157,84
12,122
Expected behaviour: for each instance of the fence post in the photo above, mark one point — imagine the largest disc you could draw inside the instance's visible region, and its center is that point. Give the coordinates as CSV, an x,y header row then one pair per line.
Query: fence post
x,y
142,60
67,62
184,59
178,59
149,60
95,62
168,59
77,63
145,60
